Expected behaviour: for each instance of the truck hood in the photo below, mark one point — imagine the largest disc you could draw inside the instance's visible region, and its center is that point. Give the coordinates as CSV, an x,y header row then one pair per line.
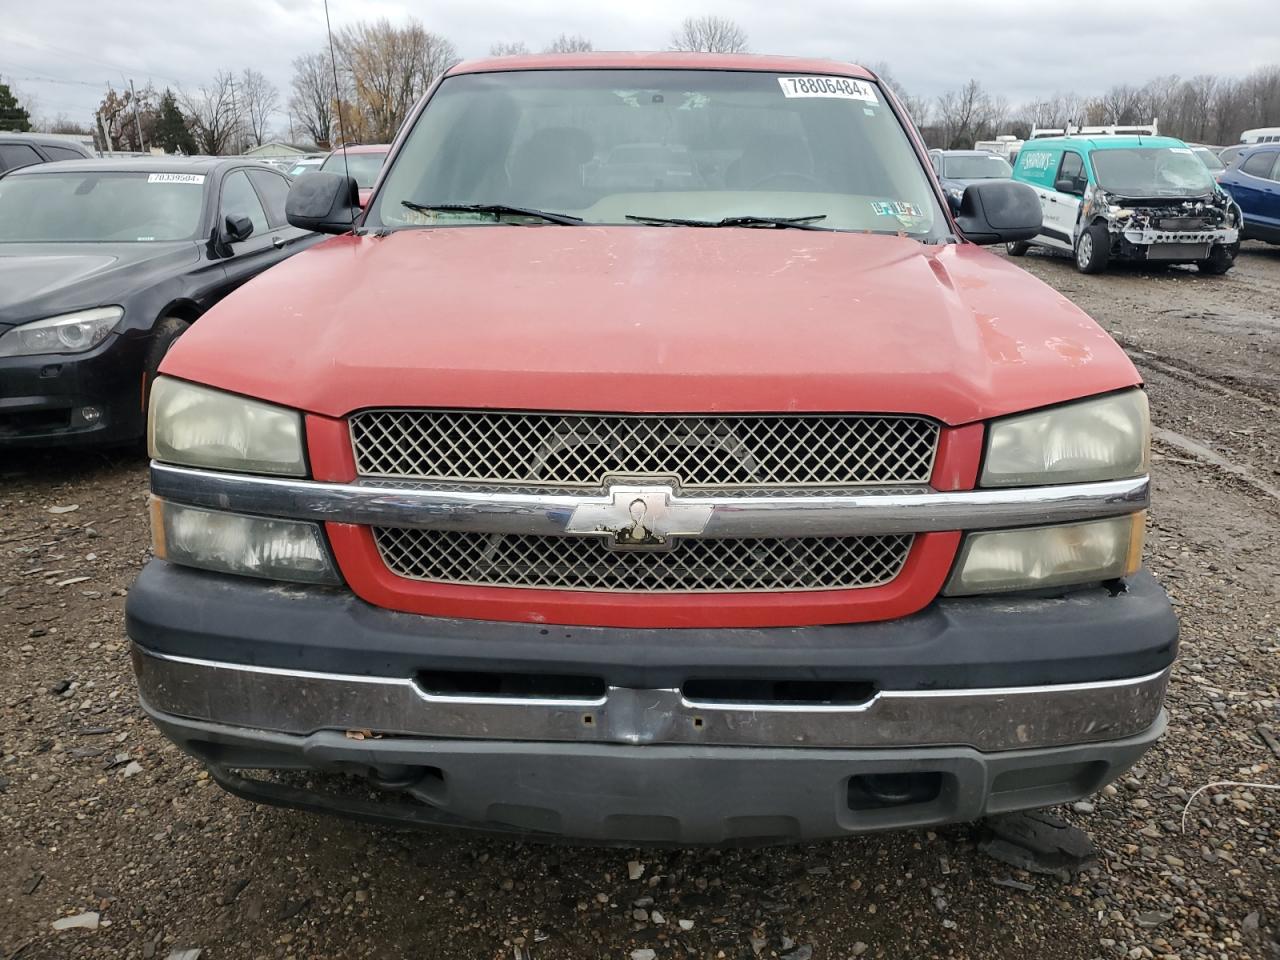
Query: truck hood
x,y
650,319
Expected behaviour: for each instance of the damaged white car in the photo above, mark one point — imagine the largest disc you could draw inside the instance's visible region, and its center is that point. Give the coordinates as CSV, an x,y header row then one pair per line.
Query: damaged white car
x,y
1129,198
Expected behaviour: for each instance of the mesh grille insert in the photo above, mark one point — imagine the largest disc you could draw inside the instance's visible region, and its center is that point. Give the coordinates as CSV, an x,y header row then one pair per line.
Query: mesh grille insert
x,y
582,450
692,565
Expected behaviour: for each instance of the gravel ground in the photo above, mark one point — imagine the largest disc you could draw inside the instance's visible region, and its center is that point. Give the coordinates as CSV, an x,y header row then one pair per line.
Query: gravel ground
x,y
99,814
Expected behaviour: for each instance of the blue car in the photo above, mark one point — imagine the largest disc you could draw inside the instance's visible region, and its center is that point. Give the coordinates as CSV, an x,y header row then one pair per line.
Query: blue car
x,y
1254,183
956,169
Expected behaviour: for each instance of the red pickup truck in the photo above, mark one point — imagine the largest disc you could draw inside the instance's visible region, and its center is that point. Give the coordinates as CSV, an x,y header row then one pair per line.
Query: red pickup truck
x,y
753,503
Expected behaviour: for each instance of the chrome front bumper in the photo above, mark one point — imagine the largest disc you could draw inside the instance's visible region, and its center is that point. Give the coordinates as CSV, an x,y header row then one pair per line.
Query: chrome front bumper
x,y
301,703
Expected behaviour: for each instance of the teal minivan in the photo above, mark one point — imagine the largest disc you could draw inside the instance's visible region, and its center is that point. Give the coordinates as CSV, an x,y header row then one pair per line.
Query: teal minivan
x,y
1135,198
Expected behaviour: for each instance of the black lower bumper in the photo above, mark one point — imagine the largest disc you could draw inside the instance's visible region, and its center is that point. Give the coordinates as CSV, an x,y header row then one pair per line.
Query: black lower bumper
x,y
970,707
64,399
1085,636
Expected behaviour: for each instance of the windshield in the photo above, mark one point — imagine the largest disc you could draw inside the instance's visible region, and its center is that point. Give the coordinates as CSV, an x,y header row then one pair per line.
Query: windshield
x,y
363,167
1209,159
1151,172
100,207
989,167
702,145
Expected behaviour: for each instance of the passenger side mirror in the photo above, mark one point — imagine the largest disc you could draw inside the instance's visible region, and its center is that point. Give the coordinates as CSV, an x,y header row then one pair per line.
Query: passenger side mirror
x,y
999,211
238,228
324,202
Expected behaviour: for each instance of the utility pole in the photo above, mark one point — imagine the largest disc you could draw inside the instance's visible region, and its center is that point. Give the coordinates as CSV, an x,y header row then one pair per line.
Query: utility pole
x,y
133,98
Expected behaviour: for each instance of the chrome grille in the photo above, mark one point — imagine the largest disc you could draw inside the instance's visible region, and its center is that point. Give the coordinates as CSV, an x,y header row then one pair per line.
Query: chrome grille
x,y
582,450
692,565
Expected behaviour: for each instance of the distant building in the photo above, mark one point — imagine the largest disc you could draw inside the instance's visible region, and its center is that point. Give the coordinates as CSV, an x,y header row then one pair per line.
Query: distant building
x,y
275,148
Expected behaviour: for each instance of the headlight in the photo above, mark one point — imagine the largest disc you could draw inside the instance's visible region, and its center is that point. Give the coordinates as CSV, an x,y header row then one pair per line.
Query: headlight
x,y
234,543
1106,438
1003,560
200,427
68,333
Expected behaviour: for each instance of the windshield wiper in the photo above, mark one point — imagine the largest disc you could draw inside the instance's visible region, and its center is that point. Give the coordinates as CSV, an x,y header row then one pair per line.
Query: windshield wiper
x,y
497,209
797,223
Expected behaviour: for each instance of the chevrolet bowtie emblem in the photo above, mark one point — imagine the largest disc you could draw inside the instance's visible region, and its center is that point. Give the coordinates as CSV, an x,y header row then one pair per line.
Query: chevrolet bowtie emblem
x,y
643,518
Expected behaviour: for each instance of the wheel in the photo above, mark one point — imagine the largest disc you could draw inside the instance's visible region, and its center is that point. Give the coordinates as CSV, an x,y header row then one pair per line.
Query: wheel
x,y
1093,249
163,336
1221,259
1017,248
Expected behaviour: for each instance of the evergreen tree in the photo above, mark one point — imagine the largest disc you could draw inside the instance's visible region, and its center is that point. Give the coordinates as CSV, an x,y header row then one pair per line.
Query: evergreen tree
x,y
171,130
13,116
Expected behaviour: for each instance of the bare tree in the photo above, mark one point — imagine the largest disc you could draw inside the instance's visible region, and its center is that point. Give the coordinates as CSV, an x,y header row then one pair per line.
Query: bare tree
x,y
387,68
569,44
963,114
919,109
709,34
212,112
506,48
313,96
258,100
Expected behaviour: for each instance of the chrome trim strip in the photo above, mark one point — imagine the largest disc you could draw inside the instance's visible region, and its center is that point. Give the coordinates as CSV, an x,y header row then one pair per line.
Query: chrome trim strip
x,y
302,702
829,515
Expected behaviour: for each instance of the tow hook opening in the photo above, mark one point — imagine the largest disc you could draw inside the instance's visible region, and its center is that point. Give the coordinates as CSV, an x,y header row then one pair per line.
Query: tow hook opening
x,y
510,686
879,791
850,693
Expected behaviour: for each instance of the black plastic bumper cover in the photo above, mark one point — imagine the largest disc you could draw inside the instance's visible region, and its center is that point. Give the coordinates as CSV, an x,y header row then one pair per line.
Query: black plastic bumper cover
x,y
1090,635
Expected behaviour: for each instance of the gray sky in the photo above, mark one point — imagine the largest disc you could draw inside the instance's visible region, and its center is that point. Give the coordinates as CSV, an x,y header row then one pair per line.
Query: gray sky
x,y
63,52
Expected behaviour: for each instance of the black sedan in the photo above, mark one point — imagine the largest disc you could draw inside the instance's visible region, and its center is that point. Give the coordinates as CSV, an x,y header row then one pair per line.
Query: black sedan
x,y
103,265
956,169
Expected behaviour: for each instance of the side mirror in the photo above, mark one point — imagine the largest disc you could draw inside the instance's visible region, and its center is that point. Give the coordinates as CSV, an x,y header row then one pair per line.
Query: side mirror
x,y
999,211
1065,185
324,202
238,228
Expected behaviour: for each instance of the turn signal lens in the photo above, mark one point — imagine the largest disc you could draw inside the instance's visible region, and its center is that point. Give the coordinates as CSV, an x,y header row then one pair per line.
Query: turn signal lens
x,y
998,561
239,544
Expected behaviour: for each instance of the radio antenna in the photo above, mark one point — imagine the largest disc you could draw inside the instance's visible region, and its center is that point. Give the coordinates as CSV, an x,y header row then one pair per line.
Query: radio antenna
x,y
337,96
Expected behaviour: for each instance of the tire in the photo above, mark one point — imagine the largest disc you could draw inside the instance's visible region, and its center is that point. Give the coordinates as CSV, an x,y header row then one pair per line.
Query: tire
x,y
1093,249
1018,248
1221,259
163,336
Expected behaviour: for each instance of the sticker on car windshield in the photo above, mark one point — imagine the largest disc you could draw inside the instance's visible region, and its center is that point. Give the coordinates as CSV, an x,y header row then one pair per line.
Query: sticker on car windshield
x,y
840,88
896,208
196,178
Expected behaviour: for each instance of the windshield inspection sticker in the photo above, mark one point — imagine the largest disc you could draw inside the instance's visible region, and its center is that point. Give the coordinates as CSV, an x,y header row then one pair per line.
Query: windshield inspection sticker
x,y
175,178
839,88
898,208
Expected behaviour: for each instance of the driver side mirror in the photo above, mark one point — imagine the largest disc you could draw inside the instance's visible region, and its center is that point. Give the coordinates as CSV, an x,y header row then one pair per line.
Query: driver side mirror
x,y
238,228
1070,185
999,211
324,202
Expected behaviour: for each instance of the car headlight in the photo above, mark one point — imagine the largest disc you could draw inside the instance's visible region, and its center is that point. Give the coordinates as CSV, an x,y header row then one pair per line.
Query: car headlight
x,y
998,561
66,333
235,543
1104,438
199,427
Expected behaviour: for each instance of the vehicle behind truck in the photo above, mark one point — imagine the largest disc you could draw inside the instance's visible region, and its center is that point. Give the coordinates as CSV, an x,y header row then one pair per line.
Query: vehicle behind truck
x,y
657,460
1115,198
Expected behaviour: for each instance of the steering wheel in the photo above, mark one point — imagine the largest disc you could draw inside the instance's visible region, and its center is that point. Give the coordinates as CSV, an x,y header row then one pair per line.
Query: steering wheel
x,y
802,179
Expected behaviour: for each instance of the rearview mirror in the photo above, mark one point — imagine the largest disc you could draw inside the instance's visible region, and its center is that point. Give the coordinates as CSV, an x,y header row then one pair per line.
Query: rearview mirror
x,y
238,228
324,202
999,211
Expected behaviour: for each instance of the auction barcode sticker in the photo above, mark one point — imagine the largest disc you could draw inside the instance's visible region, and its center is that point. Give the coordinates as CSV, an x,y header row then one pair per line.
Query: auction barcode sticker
x,y
841,88
175,178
